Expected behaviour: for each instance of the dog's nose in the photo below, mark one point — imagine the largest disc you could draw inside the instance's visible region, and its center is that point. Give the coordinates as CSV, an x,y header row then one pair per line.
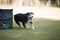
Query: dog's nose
x,y
32,16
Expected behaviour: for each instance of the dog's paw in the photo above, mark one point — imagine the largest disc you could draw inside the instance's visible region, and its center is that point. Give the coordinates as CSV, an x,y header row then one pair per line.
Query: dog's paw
x,y
33,27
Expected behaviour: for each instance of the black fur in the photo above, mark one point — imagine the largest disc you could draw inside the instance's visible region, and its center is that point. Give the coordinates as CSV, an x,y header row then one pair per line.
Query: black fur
x,y
24,18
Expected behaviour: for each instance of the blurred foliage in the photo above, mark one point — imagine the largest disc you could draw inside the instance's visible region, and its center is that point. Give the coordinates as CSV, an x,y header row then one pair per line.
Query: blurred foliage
x,y
6,1
55,3
52,2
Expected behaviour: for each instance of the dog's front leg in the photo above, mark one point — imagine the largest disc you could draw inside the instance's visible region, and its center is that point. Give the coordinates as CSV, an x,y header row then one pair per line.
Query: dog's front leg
x,y
32,25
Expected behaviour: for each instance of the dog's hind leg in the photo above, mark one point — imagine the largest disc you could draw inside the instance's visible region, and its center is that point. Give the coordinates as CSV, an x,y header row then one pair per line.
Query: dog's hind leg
x,y
24,24
18,24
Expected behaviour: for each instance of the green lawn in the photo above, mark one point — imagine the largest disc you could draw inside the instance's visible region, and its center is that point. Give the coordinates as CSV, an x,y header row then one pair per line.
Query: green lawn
x,y
44,30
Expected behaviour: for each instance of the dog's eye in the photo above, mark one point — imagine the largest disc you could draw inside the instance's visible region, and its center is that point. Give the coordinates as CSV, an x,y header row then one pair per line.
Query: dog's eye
x,y
30,16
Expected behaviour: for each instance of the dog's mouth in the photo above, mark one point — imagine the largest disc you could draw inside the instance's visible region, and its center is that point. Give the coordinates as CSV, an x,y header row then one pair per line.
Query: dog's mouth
x,y
29,18
29,21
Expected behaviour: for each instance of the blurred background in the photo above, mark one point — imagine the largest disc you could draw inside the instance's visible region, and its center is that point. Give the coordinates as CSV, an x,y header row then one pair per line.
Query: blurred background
x,y
46,20
31,2
41,8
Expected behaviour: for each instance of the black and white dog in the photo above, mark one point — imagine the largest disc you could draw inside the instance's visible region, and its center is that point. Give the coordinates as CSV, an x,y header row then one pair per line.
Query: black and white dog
x,y
24,18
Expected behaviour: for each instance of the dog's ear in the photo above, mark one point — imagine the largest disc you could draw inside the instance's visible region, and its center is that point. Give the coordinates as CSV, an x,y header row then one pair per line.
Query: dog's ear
x,y
27,13
31,12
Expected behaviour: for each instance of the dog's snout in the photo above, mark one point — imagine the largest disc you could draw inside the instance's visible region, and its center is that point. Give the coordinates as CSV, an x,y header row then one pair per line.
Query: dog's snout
x,y
32,16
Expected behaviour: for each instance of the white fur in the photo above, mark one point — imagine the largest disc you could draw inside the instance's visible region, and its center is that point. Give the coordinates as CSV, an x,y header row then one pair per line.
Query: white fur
x,y
33,27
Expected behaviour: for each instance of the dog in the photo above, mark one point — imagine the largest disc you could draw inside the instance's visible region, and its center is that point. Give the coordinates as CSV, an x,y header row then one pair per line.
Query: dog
x,y
24,18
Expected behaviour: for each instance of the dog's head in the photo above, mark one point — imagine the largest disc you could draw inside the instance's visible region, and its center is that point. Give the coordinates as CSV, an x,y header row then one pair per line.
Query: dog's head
x,y
29,15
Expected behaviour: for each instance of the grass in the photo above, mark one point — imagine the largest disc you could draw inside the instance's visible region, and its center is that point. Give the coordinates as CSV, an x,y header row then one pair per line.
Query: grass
x,y
44,30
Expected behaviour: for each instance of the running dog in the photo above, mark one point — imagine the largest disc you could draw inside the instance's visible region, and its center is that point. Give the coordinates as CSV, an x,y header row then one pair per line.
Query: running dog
x,y
24,18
